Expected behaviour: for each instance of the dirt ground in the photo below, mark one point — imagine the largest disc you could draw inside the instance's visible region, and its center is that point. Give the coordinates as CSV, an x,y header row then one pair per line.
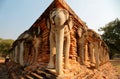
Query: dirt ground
x,y
116,63
4,71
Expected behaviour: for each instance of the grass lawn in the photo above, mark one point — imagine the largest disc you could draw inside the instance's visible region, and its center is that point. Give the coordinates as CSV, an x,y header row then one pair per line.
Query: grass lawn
x,y
116,63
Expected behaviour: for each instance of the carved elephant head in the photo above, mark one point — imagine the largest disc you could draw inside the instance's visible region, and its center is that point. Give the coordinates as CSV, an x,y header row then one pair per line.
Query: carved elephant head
x,y
59,17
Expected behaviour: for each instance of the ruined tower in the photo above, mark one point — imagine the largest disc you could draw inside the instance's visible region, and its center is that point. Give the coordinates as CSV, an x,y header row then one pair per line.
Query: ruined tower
x,y
59,45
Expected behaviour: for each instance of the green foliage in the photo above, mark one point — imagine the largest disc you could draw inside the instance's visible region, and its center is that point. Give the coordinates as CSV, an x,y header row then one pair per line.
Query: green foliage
x,y
5,45
111,35
0,39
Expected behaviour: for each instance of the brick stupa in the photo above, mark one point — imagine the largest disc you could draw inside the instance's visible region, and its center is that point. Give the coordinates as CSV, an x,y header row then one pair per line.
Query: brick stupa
x,y
88,54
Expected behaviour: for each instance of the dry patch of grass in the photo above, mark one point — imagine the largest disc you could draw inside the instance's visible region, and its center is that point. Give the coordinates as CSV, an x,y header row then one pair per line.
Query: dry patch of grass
x,y
2,60
116,63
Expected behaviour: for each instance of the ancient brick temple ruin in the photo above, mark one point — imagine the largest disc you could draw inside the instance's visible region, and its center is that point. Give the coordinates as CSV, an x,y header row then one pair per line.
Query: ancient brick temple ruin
x,y
59,45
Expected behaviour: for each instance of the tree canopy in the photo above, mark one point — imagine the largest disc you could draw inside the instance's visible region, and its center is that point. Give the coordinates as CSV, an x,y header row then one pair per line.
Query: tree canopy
x,y
111,35
5,45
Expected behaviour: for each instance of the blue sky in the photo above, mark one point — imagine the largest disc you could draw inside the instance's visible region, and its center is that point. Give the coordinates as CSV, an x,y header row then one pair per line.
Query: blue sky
x,y
16,16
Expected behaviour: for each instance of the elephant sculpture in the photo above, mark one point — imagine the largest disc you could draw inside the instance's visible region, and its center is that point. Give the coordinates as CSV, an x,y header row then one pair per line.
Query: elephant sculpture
x,y
60,24
36,44
82,45
94,41
20,55
88,47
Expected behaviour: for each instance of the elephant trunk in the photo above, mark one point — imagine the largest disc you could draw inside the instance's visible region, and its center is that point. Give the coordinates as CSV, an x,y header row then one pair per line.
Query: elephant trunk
x,y
59,51
15,54
21,53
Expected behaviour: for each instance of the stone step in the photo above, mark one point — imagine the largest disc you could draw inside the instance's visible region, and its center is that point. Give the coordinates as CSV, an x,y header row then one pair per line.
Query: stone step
x,y
46,74
51,71
29,77
21,77
36,75
14,76
43,73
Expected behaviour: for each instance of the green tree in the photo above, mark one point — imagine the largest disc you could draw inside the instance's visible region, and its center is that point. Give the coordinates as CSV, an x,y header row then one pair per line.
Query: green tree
x,y
5,45
111,35
0,39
